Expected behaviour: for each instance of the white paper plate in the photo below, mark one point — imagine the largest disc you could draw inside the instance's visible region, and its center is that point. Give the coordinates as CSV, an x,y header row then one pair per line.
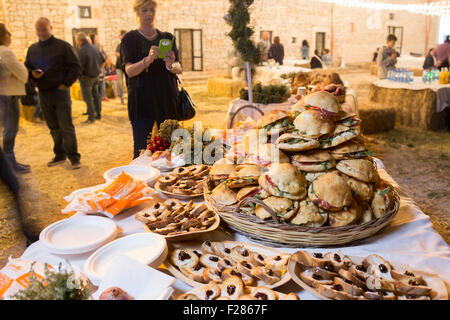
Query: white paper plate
x,y
78,234
147,248
140,173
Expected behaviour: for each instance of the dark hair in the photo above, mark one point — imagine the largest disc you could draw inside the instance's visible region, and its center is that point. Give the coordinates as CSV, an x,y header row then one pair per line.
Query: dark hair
x,y
447,39
276,40
305,43
429,51
122,32
92,36
326,50
3,32
316,52
391,37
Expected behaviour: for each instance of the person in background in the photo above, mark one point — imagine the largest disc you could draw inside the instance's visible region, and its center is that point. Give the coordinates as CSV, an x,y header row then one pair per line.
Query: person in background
x,y
119,70
152,86
316,61
305,50
326,57
442,54
387,58
13,76
32,99
264,46
111,77
90,61
430,60
53,68
375,55
276,51
101,50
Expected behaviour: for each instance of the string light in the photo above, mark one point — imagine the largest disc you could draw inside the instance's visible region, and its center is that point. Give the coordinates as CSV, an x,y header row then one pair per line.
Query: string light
x,y
438,8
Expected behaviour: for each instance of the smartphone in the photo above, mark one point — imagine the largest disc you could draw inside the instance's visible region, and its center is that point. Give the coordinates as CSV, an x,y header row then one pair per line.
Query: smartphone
x,y
165,45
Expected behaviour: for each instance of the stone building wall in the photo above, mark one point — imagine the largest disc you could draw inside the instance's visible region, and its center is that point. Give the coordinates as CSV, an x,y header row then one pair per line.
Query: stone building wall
x,y
357,31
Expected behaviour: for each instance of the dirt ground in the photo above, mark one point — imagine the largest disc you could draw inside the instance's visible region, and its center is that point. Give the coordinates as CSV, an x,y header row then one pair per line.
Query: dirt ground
x,y
418,160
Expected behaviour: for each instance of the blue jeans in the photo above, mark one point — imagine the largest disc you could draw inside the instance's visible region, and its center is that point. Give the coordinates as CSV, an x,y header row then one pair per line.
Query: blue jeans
x,y
57,109
141,129
9,106
89,91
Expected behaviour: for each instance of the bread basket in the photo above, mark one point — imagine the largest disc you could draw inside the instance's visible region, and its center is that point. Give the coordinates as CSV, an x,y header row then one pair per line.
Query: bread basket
x,y
276,234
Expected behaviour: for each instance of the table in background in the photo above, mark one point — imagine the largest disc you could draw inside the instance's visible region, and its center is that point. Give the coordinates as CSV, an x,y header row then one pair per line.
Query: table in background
x,y
266,74
410,62
415,103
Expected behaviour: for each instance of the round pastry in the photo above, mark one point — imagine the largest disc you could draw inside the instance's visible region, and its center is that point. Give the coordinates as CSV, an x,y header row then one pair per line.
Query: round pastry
x,y
221,172
330,192
196,169
359,169
184,258
246,176
360,190
267,154
322,101
156,209
278,262
245,267
256,258
220,250
211,274
239,253
349,215
225,263
314,161
311,176
248,280
352,149
195,273
284,208
310,215
232,287
284,180
167,180
293,142
263,293
224,195
338,136
180,172
274,122
210,291
210,260
206,247
312,124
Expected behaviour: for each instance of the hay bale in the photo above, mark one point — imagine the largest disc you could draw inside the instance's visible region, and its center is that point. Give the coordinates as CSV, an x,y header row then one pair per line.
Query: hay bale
x,y
376,118
223,87
414,108
27,112
374,70
369,65
75,91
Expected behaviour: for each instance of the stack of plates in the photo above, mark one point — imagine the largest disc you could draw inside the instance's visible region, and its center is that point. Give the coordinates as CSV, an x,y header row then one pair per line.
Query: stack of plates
x,y
78,234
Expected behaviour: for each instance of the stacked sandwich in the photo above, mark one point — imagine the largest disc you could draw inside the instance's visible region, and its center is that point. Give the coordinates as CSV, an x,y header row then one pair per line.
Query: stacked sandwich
x,y
310,167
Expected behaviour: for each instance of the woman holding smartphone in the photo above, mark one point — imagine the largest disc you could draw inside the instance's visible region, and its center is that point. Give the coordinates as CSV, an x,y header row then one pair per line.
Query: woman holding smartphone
x,y
152,86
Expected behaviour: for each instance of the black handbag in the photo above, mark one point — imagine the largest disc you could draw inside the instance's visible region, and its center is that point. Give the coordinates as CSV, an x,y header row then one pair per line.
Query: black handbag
x,y
185,104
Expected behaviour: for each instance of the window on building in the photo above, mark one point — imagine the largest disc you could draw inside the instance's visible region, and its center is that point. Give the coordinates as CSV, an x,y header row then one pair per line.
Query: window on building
x,y
190,47
398,32
294,40
320,41
84,12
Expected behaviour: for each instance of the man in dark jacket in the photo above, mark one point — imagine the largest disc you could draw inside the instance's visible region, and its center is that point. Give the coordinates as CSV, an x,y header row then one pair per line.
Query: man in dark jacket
x,y
430,60
54,67
90,61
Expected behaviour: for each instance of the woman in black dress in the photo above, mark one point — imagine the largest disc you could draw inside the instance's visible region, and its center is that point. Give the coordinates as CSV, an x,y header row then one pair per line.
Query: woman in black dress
x,y
152,85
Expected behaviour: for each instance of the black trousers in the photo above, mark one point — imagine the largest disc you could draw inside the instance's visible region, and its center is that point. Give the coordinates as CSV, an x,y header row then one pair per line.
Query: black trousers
x,y
91,95
57,109
141,129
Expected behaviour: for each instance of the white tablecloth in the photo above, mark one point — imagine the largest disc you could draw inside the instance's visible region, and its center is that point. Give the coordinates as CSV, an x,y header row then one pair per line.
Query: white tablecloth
x,y
410,62
294,62
417,84
410,240
265,74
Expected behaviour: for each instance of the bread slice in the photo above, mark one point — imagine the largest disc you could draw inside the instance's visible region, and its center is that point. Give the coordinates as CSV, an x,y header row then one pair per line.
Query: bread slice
x,y
248,280
188,296
348,287
211,274
263,293
353,277
245,267
278,262
210,260
239,253
413,298
210,291
411,289
219,249
195,273
312,280
184,258
372,295
232,287
290,296
268,276
310,259
256,258
378,266
327,291
225,263
379,284
339,260
324,274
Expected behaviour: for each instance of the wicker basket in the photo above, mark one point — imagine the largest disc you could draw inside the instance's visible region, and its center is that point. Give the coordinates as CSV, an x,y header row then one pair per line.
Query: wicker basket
x,y
275,234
